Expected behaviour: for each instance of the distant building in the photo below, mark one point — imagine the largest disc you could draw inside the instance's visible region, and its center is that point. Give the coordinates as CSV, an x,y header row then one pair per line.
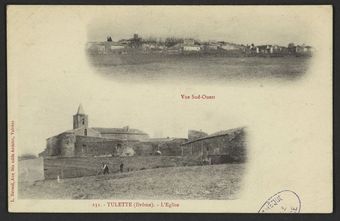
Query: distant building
x,y
191,48
176,49
135,42
116,47
263,49
304,50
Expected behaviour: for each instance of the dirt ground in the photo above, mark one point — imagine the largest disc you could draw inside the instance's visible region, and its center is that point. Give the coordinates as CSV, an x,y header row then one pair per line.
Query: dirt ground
x,y
195,182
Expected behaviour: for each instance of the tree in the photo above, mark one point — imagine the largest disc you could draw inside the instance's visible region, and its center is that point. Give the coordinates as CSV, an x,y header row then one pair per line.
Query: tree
x,y
172,41
291,48
291,45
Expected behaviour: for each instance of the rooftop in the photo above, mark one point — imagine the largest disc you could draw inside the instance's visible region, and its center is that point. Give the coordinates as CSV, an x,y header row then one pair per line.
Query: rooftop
x,y
123,130
80,109
217,134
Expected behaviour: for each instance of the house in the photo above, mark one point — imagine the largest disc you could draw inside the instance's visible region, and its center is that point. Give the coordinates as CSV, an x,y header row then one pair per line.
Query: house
x,y
190,45
176,49
226,146
191,48
149,46
189,41
116,47
304,50
211,45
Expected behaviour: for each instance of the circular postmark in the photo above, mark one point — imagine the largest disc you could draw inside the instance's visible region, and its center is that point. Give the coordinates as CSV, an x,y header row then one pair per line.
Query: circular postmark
x,y
285,201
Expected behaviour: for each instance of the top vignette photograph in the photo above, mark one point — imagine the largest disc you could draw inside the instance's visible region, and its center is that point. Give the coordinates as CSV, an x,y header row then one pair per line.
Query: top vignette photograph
x,y
201,44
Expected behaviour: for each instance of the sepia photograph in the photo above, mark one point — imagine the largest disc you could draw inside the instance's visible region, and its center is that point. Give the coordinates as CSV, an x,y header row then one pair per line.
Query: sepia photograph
x,y
204,44
93,162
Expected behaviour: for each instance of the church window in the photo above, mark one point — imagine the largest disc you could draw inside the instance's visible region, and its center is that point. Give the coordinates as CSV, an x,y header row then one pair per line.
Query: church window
x,y
85,132
83,121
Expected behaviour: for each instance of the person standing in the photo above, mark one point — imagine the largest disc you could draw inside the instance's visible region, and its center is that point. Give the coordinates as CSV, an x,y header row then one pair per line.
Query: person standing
x,y
105,169
121,167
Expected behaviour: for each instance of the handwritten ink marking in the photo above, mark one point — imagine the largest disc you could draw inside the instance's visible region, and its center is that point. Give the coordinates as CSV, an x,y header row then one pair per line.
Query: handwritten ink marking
x,y
285,201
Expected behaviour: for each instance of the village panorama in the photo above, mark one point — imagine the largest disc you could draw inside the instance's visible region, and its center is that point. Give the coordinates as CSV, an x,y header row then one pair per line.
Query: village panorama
x,y
155,60
124,50
126,163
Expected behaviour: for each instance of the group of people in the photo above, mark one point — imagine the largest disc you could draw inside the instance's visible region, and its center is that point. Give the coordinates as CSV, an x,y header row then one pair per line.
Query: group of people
x,y
105,168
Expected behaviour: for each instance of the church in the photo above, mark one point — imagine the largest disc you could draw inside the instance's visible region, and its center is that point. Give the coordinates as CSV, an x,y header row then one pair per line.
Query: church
x,y
86,141
83,141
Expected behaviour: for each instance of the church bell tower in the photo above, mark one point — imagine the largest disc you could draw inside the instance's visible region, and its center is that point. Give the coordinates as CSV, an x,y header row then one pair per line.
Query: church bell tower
x,y
80,119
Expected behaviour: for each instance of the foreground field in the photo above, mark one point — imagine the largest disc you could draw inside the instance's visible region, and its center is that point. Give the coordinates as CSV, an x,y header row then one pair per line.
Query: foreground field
x,y
210,69
195,182
71,167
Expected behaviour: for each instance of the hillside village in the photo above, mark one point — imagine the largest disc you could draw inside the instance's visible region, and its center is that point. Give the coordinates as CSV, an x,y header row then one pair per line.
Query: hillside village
x,y
178,46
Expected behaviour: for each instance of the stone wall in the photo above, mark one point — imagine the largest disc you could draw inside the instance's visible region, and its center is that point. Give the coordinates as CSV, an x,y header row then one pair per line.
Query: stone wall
x,y
70,144
99,146
95,146
172,147
60,145
67,141
126,136
145,148
220,149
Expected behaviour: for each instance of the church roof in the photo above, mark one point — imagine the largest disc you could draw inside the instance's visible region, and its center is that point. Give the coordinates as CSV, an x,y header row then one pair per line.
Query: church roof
x,y
118,130
80,109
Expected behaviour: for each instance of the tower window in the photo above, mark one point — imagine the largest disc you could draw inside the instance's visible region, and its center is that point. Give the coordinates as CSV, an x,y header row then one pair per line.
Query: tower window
x,y
85,132
83,121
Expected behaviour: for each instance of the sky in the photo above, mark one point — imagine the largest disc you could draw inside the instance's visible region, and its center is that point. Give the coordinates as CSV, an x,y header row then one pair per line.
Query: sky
x,y
246,25
49,74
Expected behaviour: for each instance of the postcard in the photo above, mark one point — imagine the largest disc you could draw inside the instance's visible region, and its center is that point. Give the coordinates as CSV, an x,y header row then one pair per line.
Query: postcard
x,y
174,109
